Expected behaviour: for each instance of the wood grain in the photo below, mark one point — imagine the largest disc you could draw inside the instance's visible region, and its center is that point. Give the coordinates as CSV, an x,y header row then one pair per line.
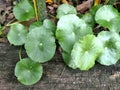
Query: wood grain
x,y
57,76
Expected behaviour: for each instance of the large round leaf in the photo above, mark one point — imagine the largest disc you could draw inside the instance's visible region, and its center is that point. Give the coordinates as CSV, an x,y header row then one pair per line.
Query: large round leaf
x,y
69,29
111,47
40,44
105,14
85,52
24,11
65,9
17,34
28,72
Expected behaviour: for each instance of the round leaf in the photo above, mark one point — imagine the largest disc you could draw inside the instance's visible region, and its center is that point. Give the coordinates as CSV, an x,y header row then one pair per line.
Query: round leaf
x,y
40,44
24,11
85,52
69,29
28,72
65,9
105,14
17,34
111,47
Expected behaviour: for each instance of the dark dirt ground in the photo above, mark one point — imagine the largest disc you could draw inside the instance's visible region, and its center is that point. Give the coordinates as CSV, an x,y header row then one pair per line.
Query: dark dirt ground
x,y
57,76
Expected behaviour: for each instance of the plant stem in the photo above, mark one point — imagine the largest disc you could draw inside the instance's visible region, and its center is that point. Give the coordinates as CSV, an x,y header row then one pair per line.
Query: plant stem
x,y
36,10
96,2
20,53
8,24
52,16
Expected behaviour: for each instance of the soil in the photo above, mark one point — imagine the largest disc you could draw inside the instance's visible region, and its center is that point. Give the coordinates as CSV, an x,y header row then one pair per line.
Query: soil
x,y
56,76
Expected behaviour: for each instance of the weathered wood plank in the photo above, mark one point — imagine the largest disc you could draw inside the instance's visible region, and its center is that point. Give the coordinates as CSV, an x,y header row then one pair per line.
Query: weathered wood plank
x,y
57,76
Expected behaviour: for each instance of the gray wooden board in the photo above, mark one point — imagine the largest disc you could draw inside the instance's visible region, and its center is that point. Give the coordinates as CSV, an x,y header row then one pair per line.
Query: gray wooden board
x,y
57,76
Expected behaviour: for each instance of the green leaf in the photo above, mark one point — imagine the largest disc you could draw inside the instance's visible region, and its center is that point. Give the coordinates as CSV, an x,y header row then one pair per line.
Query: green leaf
x,y
49,25
28,72
114,25
41,9
40,44
1,32
94,9
85,52
65,9
89,19
105,14
24,11
35,25
17,34
111,47
1,29
66,56
69,29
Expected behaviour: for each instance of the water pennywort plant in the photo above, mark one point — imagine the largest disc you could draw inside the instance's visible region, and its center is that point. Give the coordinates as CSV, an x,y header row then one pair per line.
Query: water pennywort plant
x,y
39,42
80,47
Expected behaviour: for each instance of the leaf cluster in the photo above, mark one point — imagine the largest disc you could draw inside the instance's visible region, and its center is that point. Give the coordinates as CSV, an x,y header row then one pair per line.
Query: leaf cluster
x,y
38,40
80,47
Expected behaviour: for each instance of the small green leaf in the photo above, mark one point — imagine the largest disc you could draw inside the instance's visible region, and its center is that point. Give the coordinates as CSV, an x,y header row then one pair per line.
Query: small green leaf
x,y
24,11
105,14
35,25
49,25
66,56
28,72
89,19
114,25
40,44
69,29
1,29
94,9
17,34
1,32
65,9
85,52
111,47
